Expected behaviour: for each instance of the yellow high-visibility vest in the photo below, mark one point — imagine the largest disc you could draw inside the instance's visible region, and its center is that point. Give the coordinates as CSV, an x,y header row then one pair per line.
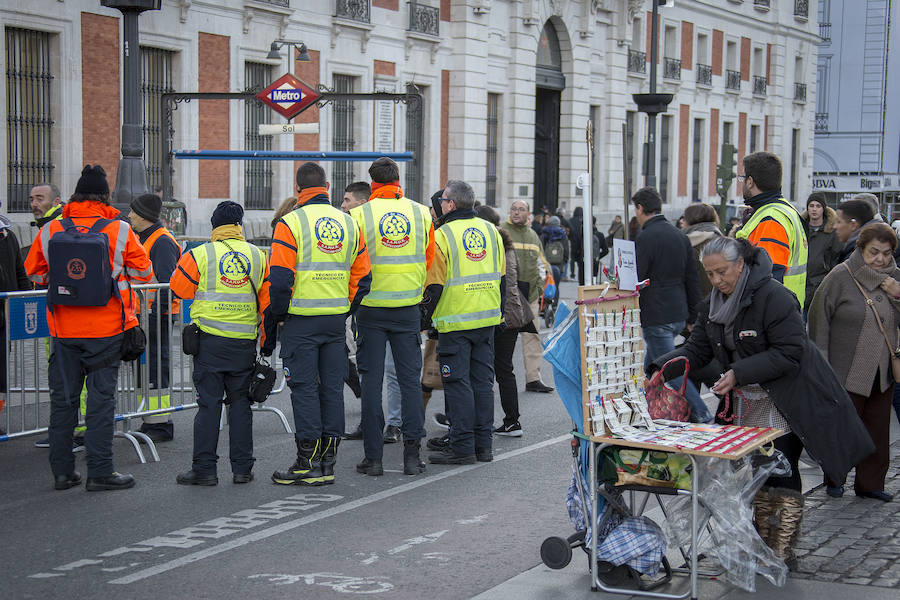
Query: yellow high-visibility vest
x,y
788,217
396,234
225,303
327,242
473,252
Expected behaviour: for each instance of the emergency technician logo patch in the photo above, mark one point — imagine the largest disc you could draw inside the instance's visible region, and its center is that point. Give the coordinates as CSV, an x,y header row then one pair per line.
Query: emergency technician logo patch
x,y
475,244
234,269
394,229
76,268
330,235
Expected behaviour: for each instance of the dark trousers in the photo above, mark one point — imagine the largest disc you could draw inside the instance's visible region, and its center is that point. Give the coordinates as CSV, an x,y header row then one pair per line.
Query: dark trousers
x,y
73,361
314,353
400,327
467,359
875,412
158,349
897,402
791,446
504,346
222,371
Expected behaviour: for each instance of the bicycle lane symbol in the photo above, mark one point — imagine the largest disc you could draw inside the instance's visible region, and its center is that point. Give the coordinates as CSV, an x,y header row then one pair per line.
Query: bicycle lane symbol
x,y
340,583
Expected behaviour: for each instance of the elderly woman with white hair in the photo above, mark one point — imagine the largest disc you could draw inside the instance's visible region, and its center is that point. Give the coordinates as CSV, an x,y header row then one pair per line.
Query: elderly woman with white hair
x,y
772,376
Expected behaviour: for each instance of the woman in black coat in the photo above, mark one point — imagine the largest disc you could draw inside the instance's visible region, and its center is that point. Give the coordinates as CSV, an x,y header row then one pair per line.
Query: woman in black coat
x,y
773,376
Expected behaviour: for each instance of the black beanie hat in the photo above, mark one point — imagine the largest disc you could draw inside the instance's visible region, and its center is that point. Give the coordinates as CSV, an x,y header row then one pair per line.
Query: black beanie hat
x,y
147,206
92,181
227,213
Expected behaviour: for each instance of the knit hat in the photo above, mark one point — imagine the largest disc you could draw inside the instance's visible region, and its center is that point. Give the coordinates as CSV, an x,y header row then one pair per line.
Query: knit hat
x,y
147,206
554,221
816,197
92,181
227,213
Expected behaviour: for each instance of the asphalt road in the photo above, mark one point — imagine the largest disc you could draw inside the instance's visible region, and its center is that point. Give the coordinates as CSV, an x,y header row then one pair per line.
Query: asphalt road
x,y
453,532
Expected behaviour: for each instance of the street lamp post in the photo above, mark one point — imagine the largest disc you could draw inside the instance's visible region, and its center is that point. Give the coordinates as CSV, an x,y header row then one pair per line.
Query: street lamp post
x,y
131,178
653,103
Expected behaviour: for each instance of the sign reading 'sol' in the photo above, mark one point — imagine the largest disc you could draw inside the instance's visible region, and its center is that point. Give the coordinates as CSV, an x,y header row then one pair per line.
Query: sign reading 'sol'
x,y
288,96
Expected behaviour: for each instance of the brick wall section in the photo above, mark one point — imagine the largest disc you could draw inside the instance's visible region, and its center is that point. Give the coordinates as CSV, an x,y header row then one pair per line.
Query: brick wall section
x,y
687,45
445,125
308,73
768,63
214,67
745,59
101,129
718,47
445,10
713,148
386,4
384,67
684,147
742,140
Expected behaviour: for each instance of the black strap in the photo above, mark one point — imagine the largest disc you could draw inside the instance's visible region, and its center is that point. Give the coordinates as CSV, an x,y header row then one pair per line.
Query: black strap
x,y
97,227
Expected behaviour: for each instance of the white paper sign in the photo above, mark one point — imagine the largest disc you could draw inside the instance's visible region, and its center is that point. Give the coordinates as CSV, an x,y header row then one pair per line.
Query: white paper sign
x,y
625,264
384,126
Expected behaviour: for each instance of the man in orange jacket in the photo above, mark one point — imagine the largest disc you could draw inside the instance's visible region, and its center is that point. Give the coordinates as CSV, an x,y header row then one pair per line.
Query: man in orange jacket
x,y
87,340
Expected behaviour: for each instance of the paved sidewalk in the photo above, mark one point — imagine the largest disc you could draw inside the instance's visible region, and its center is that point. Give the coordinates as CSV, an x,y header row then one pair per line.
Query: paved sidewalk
x,y
853,540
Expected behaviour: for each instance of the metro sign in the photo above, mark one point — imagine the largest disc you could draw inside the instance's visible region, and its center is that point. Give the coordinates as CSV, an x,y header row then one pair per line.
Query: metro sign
x,y
288,96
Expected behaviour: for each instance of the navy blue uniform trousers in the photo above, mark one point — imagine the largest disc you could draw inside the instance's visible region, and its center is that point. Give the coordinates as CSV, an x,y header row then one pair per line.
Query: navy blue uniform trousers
x,y
222,371
400,326
72,361
314,355
467,370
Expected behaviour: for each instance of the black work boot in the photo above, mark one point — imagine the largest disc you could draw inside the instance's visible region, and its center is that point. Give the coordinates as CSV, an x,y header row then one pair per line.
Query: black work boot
x,y
307,469
412,463
329,457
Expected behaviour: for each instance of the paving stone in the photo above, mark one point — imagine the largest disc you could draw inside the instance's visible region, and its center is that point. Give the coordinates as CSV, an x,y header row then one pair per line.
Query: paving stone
x,y
858,581
887,582
826,551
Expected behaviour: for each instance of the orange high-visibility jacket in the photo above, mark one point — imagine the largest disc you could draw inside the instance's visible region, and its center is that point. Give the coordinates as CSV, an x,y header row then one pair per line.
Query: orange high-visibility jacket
x,y
129,261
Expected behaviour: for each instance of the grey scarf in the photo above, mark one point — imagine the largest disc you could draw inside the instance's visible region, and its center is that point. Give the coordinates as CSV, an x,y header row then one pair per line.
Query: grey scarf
x,y
723,310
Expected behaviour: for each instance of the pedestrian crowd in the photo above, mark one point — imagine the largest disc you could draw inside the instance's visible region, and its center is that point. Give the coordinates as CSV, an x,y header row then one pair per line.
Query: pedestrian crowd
x,y
346,291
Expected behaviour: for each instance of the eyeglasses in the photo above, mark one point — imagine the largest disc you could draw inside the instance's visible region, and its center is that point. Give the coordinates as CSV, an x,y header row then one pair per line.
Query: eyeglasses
x,y
443,199
742,177
518,209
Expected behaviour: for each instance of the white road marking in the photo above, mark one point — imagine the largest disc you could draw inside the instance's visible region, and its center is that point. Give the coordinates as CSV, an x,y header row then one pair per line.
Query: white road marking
x,y
329,512
428,538
473,520
337,582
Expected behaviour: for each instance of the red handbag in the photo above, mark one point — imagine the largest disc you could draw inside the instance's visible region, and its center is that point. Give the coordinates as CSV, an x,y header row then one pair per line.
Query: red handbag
x,y
664,401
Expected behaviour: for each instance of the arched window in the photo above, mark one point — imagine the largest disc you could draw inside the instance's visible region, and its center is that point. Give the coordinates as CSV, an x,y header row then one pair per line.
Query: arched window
x,y
549,61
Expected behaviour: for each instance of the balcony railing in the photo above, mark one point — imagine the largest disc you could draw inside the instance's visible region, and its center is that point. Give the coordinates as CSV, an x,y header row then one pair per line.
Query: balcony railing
x,y
766,4
424,19
732,80
821,122
801,8
800,92
759,85
825,32
704,74
355,10
672,68
637,61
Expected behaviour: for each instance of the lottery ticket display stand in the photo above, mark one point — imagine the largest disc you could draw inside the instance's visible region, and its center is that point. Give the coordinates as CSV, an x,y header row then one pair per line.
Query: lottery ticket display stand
x,y
616,415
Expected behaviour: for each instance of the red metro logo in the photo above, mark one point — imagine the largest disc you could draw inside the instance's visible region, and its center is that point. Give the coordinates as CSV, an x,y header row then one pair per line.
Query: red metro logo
x,y
288,96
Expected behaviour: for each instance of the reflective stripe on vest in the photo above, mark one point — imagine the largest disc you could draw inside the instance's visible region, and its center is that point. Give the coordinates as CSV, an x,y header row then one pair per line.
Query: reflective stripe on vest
x,y
327,244
471,296
175,303
786,216
396,234
224,303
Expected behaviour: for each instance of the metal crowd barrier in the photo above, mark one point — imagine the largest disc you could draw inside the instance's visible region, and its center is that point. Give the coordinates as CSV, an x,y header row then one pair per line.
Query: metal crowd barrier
x,y
27,408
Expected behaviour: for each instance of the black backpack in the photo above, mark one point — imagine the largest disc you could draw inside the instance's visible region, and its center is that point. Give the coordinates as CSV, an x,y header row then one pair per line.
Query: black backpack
x,y
80,273
556,252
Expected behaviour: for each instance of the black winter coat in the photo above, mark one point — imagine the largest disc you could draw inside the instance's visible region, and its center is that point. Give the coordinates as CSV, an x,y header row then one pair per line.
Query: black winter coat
x,y
665,256
773,350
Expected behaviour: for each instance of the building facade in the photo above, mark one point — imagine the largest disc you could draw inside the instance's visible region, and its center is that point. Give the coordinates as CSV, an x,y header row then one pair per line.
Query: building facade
x,y
509,86
857,127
